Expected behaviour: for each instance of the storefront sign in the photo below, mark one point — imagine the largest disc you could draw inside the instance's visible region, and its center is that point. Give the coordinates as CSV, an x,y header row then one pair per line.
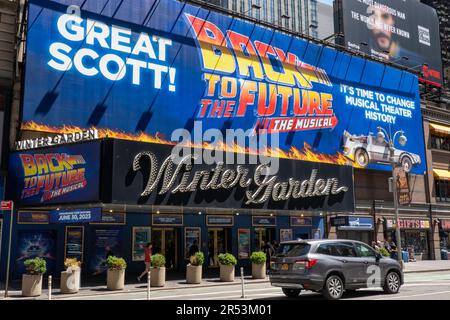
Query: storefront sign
x,y
301,221
74,244
445,224
192,237
167,219
339,221
157,179
408,224
76,215
224,221
112,218
358,223
243,243
403,191
69,173
32,217
141,236
48,141
263,221
286,235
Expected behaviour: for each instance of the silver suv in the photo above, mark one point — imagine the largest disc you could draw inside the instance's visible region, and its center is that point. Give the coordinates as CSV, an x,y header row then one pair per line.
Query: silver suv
x,y
332,267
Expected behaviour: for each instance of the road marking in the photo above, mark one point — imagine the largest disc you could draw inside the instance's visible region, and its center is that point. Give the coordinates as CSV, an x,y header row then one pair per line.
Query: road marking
x,y
414,295
164,291
210,293
246,298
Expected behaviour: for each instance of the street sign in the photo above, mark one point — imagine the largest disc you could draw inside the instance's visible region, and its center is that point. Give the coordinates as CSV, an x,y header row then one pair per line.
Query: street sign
x,y
6,205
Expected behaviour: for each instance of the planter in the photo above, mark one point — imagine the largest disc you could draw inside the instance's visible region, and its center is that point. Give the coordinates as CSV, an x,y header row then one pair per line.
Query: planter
x,y
115,279
157,277
226,273
31,285
194,274
259,271
70,281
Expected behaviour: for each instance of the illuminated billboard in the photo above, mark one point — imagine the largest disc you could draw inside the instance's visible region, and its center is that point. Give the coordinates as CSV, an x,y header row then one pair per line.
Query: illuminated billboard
x,y
55,175
141,70
403,32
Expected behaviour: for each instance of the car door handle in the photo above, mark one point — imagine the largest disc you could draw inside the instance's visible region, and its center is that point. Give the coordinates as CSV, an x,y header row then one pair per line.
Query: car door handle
x,y
366,262
344,261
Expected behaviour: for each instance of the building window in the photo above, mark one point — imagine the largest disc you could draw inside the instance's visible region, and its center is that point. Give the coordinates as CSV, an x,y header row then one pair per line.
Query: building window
x,y
440,142
442,190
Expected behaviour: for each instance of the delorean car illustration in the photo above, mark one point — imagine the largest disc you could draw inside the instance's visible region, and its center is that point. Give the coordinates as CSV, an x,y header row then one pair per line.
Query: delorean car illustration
x,y
367,149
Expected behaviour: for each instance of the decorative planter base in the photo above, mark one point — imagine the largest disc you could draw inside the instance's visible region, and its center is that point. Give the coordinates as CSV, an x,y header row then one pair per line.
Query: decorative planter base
x,y
258,271
70,281
226,273
115,279
194,274
158,277
31,285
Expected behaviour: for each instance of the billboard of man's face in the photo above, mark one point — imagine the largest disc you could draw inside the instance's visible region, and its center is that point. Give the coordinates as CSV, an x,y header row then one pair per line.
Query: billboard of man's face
x,y
379,22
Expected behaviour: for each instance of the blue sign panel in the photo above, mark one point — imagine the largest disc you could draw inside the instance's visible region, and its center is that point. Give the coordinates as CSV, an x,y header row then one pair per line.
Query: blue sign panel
x,y
143,69
62,174
339,221
358,223
301,222
219,220
76,215
32,217
264,221
167,220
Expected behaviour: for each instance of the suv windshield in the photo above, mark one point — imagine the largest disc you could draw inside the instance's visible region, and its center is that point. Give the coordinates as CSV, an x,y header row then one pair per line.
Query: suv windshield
x,y
293,249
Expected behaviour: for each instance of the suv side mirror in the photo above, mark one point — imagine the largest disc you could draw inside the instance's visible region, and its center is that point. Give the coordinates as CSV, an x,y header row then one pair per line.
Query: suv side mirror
x,y
378,257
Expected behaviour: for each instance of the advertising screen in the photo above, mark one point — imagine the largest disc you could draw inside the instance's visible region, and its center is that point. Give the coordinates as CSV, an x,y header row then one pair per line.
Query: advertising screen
x,y
403,32
68,173
142,70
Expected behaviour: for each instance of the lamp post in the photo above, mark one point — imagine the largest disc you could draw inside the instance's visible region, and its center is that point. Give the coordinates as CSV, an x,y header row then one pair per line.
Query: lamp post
x,y
383,136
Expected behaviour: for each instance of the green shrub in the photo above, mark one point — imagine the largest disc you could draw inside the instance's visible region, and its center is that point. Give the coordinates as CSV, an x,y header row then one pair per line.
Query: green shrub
x,y
158,260
227,259
384,252
115,263
36,266
197,259
258,257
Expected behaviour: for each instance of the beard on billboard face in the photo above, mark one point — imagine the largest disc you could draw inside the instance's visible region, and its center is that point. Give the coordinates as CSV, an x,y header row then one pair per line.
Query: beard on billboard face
x,y
383,41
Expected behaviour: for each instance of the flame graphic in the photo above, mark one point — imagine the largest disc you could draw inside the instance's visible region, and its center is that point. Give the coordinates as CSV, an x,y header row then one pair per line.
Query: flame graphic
x,y
306,154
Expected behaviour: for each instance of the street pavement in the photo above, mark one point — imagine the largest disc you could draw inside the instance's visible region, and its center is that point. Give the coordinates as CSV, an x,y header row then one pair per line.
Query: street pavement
x,y
418,286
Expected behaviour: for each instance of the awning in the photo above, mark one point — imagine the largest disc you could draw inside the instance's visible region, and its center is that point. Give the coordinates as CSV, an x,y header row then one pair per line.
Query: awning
x,y
440,128
442,174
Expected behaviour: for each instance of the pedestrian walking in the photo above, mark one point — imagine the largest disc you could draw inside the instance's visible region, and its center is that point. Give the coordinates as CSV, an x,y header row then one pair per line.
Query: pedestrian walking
x,y
147,260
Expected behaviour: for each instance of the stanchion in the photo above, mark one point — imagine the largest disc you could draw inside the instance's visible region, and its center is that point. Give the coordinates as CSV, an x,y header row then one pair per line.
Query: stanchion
x,y
148,285
242,282
49,287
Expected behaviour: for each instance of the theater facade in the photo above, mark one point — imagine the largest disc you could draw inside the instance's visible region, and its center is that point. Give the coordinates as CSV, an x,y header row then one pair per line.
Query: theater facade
x,y
110,93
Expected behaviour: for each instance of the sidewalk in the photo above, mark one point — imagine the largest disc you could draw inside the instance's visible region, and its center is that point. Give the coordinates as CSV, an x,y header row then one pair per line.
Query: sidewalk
x,y
89,288
97,286
427,266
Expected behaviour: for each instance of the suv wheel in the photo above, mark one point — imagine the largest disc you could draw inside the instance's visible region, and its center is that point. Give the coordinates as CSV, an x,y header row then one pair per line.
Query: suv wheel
x,y
392,283
362,158
291,293
334,287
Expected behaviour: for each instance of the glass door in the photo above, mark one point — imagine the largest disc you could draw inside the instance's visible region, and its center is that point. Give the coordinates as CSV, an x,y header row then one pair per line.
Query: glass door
x,y
165,243
217,244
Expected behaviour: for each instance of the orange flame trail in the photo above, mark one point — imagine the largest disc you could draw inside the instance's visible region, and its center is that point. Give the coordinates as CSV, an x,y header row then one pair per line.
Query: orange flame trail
x,y
306,154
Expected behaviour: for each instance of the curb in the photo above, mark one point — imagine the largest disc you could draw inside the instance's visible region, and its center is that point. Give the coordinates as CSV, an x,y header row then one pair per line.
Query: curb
x,y
56,295
425,271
